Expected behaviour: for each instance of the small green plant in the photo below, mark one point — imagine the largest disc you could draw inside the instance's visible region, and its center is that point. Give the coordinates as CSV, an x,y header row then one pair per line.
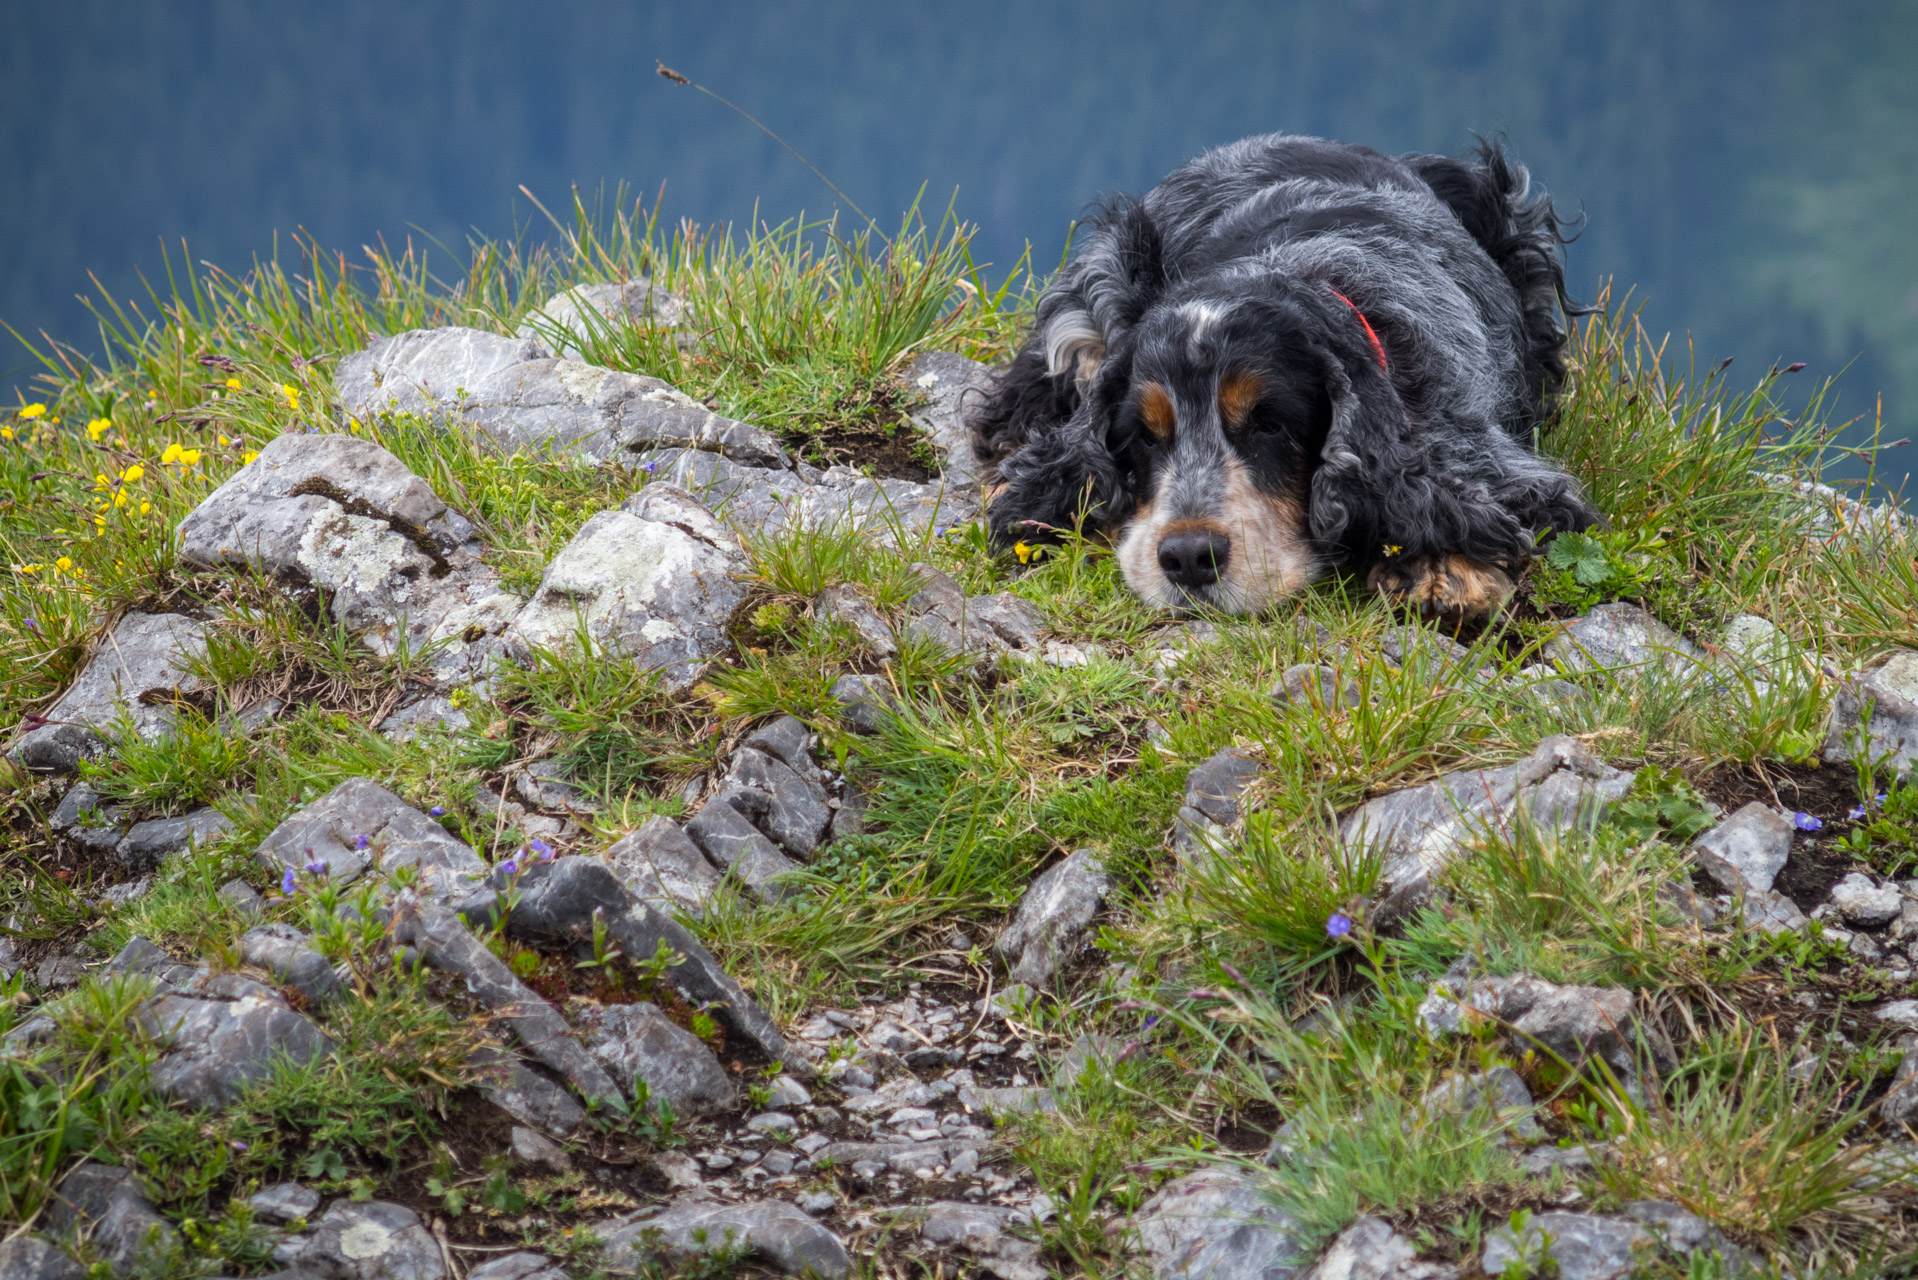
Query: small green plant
x,y
1662,805
1531,1249
605,951
1584,569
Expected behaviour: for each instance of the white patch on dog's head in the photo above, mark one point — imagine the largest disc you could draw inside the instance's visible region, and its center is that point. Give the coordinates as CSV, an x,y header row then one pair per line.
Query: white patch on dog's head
x,y
1199,318
1075,345
1270,557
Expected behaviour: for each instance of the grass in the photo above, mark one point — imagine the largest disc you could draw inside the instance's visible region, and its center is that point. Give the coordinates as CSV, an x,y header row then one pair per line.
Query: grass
x,y
1241,1012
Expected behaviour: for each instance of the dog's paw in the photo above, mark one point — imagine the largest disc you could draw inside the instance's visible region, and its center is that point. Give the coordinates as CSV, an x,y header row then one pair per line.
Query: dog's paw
x,y
1451,589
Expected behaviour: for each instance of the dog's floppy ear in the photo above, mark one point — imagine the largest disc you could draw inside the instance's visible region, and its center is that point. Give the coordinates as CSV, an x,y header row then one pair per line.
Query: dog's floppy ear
x,y
1117,276
1440,491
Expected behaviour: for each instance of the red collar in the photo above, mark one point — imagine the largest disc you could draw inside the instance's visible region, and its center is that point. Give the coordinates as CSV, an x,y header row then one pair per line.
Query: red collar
x,y
1378,348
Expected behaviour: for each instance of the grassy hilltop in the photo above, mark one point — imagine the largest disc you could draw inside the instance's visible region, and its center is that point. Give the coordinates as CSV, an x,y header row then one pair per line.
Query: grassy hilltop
x,y
1233,1009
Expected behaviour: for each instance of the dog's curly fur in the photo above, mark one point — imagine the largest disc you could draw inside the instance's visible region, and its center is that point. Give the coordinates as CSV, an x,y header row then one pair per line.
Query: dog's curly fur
x,y
1294,354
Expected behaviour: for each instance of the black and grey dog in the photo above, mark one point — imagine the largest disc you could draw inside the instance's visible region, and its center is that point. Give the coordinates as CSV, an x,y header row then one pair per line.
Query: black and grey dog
x,y
1296,354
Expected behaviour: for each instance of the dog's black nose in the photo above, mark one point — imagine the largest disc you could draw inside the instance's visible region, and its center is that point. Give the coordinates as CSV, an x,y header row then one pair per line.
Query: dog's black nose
x,y
1194,560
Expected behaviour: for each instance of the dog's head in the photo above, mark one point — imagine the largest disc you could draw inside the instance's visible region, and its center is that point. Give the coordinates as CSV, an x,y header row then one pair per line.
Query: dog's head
x,y
1230,398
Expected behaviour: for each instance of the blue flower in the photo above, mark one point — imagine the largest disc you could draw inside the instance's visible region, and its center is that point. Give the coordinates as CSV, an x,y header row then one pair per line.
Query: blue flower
x,y
649,467
1338,924
32,624
939,531
510,866
1857,812
1805,822
316,866
544,850
438,811
361,842
290,882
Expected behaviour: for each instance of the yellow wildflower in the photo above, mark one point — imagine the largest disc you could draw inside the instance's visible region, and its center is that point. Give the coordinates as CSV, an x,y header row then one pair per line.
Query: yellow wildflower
x,y
1392,548
292,394
233,384
133,473
145,507
6,433
98,427
224,442
171,455
1027,552
100,481
99,522
62,564
189,457
26,570
119,499
249,455
33,411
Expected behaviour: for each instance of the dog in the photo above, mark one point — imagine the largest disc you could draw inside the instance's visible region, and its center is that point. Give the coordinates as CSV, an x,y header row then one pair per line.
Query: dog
x,y
1294,355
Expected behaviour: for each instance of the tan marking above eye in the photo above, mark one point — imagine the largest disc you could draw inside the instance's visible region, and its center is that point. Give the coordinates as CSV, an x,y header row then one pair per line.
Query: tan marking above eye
x,y
1237,395
1155,406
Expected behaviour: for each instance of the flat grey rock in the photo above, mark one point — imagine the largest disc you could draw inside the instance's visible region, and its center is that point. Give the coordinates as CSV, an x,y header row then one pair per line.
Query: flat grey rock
x,y
372,1240
797,817
340,513
595,312
1681,1231
945,379
1418,831
1584,1246
81,805
243,898
360,825
1866,904
1746,851
522,1265
1618,637
787,739
34,1258
731,840
1890,690
1575,1022
556,902
289,956
147,843
107,1203
760,499
772,1230
1053,916
1214,1225
654,581
866,703
449,946
433,713
1213,788
284,1202
1314,685
660,864
1900,1104
525,400
844,605
1370,1250
145,654
1498,1094
221,1034
1772,912
523,1093
969,1226
638,1042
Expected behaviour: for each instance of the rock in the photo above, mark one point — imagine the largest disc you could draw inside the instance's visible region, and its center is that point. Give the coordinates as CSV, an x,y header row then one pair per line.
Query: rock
x,y
1405,644
220,1034
678,1169
730,840
1214,787
638,1042
288,955
975,1227
32,1258
590,312
844,605
1900,1104
284,1202
1370,1250
1053,916
866,703
776,1123
763,500
146,843
1902,1013
946,378
1014,620
786,1092
530,1146
1543,1162
341,514
81,804
522,1093
433,713
1498,1093
543,784
660,865
1682,1231
360,824
447,945
556,902
1890,689
1578,1023
524,1264
1826,513
816,1202
1311,685
524,400
1012,1100
1746,851
1215,1225
1865,904
136,670
1621,636
1773,913
1584,1246
771,1229
141,957
371,1240
653,581
1418,831
243,898
108,1204
797,817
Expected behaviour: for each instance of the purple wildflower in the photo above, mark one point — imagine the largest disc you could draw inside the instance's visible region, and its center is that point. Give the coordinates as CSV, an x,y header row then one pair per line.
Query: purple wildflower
x,y
237,1145
438,811
290,882
1857,812
649,467
1338,924
361,842
1150,1023
316,866
544,850
510,866
939,531
1805,822
32,624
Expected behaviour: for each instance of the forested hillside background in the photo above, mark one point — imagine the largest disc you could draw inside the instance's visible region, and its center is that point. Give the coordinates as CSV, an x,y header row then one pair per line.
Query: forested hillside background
x,y
1749,167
